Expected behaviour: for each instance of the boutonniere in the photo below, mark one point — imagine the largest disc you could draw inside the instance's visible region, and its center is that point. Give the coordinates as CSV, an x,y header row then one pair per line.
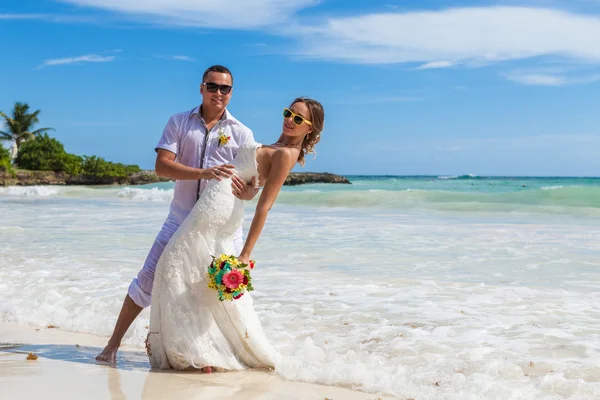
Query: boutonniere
x,y
223,139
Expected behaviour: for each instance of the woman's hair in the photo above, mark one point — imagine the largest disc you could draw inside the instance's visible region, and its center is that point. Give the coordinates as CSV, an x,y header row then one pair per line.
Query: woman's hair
x,y
317,117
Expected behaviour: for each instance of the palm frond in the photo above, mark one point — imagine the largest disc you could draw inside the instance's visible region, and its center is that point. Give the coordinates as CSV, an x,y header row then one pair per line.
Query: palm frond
x,y
41,130
20,108
29,120
6,136
21,123
7,119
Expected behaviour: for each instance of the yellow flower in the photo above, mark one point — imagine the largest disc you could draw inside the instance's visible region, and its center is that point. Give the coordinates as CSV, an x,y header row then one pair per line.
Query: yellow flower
x,y
223,139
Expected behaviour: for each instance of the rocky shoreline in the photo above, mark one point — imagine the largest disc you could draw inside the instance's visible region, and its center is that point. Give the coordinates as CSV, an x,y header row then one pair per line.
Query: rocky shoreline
x,y
32,178
301,178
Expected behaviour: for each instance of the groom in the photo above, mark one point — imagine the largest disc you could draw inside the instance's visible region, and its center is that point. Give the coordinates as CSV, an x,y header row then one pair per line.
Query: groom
x,y
195,146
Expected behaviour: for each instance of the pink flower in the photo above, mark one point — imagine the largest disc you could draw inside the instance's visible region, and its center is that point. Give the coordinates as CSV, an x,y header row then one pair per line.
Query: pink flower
x,y
233,279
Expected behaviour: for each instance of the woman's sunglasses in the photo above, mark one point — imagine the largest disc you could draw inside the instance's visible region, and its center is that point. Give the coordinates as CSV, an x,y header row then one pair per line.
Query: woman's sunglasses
x,y
298,119
213,87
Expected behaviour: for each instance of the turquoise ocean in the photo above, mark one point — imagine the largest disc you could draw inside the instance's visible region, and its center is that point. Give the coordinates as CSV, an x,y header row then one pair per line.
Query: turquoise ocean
x,y
417,286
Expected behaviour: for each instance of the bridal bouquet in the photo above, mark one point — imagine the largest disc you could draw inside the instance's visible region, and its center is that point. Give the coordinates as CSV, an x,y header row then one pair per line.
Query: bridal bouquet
x,y
229,277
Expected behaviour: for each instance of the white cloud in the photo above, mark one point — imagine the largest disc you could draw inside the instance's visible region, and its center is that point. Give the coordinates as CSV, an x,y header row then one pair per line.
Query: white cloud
x,y
436,64
89,58
376,99
473,36
88,124
177,58
549,79
454,148
536,79
49,18
22,16
205,13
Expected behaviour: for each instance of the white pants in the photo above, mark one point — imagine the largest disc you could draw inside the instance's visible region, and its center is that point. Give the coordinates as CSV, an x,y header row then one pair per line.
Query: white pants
x,y
140,289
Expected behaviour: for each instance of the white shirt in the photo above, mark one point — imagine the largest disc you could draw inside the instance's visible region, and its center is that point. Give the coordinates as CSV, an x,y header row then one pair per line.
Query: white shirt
x,y
184,135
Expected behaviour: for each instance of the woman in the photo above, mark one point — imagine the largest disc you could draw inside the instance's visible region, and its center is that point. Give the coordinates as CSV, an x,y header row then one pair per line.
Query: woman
x,y
189,326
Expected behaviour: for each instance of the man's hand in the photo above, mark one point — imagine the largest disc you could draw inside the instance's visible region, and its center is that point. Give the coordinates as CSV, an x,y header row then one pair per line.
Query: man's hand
x,y
242,190
219,172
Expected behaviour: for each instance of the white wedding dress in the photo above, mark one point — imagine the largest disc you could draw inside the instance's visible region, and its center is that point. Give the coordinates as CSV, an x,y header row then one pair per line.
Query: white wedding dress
x,y
189,326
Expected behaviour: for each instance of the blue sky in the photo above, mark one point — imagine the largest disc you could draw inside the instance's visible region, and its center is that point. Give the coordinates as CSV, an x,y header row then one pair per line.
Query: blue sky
x,y
429,87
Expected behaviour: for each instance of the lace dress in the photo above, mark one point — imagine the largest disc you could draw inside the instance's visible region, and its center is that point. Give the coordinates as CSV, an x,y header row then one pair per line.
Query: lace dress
x,y
189,326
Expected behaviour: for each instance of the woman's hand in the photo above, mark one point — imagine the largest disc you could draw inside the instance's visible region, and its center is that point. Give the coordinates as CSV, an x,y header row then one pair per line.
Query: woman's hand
x,y
243,190
244,259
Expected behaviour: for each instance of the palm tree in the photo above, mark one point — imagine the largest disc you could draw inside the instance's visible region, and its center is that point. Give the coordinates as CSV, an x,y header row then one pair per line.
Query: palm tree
x,y
20,125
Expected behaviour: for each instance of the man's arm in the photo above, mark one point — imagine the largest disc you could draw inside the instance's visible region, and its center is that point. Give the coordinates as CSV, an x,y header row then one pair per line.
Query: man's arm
x,y
167,166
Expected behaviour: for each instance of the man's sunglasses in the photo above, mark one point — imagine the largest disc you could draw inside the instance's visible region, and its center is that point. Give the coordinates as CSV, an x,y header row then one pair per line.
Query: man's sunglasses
x,y
213,87
298,119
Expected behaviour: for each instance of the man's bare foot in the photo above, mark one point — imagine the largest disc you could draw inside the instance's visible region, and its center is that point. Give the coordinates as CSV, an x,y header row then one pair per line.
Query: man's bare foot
x,y
108,355
206,370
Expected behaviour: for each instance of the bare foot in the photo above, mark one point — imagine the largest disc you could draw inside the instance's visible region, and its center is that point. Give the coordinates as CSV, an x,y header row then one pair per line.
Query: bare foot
x,y
206,370
108,355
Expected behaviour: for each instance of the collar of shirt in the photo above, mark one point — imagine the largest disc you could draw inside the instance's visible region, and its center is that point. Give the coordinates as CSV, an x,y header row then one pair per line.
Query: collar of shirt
x,y
225,117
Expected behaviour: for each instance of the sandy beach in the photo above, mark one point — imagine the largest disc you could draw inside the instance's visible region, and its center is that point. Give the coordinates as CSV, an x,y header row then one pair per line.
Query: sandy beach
x,y
65,369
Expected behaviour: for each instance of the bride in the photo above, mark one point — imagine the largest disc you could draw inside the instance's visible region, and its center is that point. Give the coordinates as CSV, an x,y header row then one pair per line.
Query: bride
x,y
189,326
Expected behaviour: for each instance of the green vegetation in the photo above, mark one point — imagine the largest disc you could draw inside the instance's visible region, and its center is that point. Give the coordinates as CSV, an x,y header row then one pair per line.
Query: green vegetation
x,y
5,165
97,167
42,154
39,152
18,127
48,154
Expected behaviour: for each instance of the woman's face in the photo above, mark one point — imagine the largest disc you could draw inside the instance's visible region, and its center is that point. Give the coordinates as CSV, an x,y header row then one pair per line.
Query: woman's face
x,y
299,114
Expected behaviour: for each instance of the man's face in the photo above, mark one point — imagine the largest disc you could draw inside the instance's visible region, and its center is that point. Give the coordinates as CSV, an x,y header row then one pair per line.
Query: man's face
x,y
212,90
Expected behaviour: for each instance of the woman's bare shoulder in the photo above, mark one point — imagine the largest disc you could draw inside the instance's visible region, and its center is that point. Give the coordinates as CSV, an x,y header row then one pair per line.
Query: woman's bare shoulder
x,y
285,154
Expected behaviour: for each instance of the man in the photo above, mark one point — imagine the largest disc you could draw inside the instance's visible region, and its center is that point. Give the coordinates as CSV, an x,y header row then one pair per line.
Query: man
x,y
196,145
